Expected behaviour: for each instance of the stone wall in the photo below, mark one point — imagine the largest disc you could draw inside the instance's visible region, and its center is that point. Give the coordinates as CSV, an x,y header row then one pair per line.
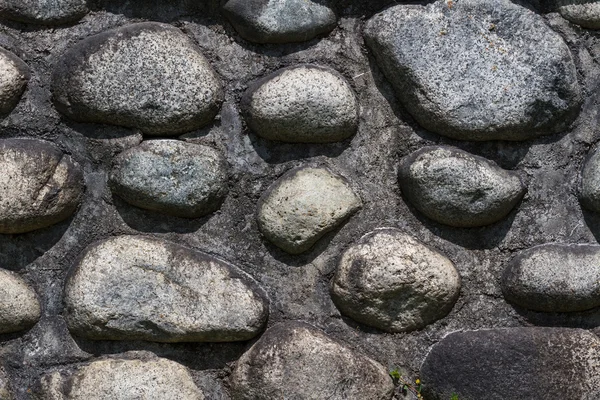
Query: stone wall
x,y
299,199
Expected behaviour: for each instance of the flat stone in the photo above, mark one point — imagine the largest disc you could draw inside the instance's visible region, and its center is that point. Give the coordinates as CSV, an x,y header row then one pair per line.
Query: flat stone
x,y
46,12
554,278
123,379
294,360
515,363
172,177
459,189
477,69
395,283
303,205
15,75
142,288
147,75
306,104
589,190
19,305
280,21
585,13
39,185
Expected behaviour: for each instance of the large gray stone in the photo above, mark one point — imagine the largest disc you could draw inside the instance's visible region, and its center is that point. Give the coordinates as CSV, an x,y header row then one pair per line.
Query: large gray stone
x,y
303,205
305,104
142,288
589,189
514,364
280,21
170,176
19,305
148,377
554,278
47,12
459,189
477,69
585,13
295,360
39,185
395,283
14,78
149,76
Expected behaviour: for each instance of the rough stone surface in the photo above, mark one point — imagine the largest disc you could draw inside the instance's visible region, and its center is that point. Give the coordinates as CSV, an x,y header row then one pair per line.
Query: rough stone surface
x,y
395,283
39,185
173,177
589,190
459,189
47,12
303,205
5,387
148,76
280,21
135,287
477,69
297,361
554,278
306,104
123,379
19,305
585,13
518,363
14,78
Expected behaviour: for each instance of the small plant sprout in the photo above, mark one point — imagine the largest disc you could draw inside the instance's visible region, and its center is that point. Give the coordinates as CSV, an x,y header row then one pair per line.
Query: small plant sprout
x,y
454,397
405,386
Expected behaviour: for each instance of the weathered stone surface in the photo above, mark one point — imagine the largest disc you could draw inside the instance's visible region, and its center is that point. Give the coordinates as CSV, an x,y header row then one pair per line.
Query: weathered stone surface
x,y
306,104
147,75
170,176
459,189
280,21
19,305
477,69
516,363
14,78
585,13
43,11
123,379
39,185
5,386
554,278
303,205
136,287
295,360
589,190
395,283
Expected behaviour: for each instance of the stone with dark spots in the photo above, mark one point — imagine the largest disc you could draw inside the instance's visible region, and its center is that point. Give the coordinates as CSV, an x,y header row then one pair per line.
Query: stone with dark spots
x,y
15,75
148,76
44,12
514,363
19,305
459,189
294,360
589,190
585,13
39,185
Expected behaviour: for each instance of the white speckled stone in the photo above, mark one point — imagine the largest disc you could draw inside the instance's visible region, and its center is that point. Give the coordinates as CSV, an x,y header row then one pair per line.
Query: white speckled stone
x,y
47,12
13,80
19,305
585,13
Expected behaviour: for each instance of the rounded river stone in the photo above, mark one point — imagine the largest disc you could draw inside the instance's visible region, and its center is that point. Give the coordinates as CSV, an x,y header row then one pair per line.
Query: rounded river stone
x,y
47,12
13,81
589,190
585,13
19,305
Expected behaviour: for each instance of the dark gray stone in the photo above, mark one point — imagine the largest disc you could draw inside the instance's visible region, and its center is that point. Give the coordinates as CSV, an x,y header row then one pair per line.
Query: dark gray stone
x,y
170,176
514,363
585,13
589,190
46,12
459,189
477,69
149,76
15,75
280,21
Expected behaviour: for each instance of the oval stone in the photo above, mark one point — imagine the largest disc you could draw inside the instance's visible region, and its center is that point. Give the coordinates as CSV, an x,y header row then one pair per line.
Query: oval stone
x,y
459,189
47,12
585,13
170,176
294,360
554,278
15,75
142,288
19,305
39,185
395,283
589,190
306,104
148,76
303,205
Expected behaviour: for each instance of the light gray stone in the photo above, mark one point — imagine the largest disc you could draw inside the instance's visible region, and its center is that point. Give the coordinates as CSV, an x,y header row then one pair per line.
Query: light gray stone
x,y
149,76
295,360
395,283
589,189
554,278
14,78
305,104
39,185
303,205
123,379
5,386
47,12
459,189
585,13
477,69
142,288
170,176
19,305
280,21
